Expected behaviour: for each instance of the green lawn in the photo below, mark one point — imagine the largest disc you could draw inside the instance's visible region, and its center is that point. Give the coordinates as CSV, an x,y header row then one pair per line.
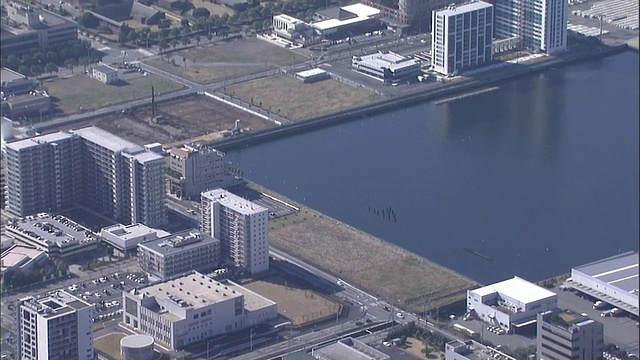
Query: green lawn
x,y
69,94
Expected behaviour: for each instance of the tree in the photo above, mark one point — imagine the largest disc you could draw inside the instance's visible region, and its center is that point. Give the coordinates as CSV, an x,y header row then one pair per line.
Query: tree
x,y
209,37
163,46
175,32
13,62
174,43
24,70
36,70
88,20
198,38
257,26
39,58
201,12
84,61
186,41
51,68
427,350
163,33
184,23
70,63
26,60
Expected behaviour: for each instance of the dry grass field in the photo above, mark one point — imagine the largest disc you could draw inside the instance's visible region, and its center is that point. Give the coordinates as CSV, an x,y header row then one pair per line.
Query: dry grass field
x,y
291,98
196,118
373,264
69,94
225,60
300,305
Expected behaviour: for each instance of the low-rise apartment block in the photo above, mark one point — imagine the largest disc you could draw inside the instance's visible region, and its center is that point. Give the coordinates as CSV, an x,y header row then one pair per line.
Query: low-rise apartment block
x,y
188,309
179,254
565,335
55,327
192,169
54,234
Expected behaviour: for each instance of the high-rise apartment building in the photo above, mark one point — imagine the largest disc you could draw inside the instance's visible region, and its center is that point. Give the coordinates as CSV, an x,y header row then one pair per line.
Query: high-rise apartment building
x,y
90,167
241,226
541,25
565,335
192,170
56,327
461,37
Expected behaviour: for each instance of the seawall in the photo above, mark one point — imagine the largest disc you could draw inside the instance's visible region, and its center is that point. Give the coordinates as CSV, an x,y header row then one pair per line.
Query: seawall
x,y
410,99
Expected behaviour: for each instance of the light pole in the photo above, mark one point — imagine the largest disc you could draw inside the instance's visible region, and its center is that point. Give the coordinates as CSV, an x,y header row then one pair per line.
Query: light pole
x,y
251,339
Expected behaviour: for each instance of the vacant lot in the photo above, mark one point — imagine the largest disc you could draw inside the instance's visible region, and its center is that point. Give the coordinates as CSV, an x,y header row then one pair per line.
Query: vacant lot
x,y
291,98
299,304
373,264
196,118
225,60
80,91
213,8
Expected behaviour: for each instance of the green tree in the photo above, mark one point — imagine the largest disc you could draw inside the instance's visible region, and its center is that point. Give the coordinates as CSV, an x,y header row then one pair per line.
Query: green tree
x,y
51,68
174,43
198,38
164,33
201,12
184,23
52,56
84,62
13,62
257,26
70,63
26,60
24,70
163,46
175,32
36,70
39,58
186,41
88,20
209,37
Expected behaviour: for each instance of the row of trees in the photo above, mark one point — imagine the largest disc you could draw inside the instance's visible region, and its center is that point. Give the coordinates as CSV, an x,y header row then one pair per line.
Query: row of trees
x,y
432,341
39,62
52,267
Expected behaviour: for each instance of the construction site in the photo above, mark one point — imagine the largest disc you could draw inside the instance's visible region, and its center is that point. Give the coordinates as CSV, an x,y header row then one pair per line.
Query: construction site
x,y
196,118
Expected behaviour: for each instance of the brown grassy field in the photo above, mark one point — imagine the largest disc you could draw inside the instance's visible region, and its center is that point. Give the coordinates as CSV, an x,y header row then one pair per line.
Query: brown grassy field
x,y
196,118
299,304
373,264
291,98
225,60
69,94
213,8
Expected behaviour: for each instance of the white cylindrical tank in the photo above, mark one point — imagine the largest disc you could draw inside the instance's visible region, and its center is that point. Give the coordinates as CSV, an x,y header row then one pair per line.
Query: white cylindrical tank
x,y
136,347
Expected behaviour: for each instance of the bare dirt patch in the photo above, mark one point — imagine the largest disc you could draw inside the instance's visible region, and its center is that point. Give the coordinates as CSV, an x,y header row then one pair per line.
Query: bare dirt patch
x,y
378,266
291,98
225,60
196,118
299,304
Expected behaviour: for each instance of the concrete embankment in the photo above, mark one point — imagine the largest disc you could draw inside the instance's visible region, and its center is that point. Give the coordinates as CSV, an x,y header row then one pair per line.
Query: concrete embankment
x,y
438,92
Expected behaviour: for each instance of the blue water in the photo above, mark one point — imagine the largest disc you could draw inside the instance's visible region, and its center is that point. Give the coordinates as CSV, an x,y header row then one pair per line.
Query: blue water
x,y
540,175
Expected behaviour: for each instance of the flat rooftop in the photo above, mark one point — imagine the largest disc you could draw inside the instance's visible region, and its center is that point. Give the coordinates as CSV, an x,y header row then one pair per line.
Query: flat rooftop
x,y
106,139
109,345
350,349
234,202
566,318
620,271
199,290
38,140
18,255
52,230
517,288
476,351
186,240
388,60
133,231
106,69
56,303
464,8
9,75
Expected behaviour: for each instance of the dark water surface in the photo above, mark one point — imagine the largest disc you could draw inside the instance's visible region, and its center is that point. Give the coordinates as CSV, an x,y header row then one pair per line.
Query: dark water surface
x,y
540,175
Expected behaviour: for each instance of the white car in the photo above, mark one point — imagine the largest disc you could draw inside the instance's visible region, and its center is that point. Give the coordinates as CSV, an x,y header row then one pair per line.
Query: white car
x,y
400,315
386,343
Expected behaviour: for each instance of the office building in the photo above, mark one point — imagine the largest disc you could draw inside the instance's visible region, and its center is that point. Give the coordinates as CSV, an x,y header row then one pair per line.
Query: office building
x,y
192,169
25,29
387,66
344,21
511,304
125,238
178,254
565,335
55,327
241,226
22,258
54,234
104,73
613,280
188,309
14,83
461,37
540,25
472,350
89,167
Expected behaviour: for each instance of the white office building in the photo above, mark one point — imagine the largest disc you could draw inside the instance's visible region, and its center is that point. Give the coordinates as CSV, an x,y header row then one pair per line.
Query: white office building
x,y
387,66
566,335
461,37
510,304
56,327
241,226
541,25
125,238
188,309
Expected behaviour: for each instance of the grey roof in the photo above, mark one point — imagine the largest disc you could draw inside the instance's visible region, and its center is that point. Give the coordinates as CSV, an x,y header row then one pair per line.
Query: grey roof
x,y
350,349
162,245
8,75
336,13
144,10
38,140
105,69
106,139
461,9
620,270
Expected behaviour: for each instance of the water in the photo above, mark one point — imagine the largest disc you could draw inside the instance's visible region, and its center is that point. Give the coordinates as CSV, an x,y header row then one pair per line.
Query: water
x,y
540,175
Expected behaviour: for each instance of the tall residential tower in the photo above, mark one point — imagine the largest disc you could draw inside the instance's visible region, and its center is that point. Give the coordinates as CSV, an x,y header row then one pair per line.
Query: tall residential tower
x,y
241,226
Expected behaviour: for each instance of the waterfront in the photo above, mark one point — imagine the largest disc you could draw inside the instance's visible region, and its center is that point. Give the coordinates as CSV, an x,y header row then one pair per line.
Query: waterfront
x,y
540,175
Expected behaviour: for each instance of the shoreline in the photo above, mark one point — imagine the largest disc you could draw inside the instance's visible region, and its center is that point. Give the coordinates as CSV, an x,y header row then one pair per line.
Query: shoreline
x,y
457,89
